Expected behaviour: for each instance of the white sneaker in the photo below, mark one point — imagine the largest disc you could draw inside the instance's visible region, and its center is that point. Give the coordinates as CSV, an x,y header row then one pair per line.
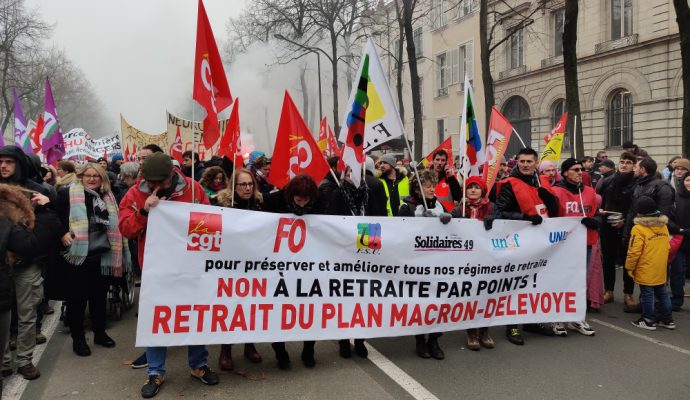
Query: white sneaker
x,y
559,329
581,327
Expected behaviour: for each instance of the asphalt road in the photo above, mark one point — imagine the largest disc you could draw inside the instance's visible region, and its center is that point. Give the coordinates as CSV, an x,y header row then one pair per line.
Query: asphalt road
x,y
619,362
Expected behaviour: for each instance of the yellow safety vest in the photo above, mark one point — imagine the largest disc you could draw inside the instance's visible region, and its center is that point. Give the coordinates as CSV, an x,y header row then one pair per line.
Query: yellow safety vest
x,y
403,191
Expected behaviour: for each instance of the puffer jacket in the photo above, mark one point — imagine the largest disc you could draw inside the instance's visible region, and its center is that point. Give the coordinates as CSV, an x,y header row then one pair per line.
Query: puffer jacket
x,y
132,222
663,195
648,251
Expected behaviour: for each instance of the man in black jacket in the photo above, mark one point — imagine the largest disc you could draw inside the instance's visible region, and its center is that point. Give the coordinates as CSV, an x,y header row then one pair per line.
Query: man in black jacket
x,y
516,200
17,169
616,193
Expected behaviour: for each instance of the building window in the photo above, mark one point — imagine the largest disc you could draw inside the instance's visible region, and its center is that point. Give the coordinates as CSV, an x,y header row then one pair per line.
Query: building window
x,y
461,60
441,75
440,129
517,111
417,36
558,23
620,118
517,51
557,112
464,7
621,18
438,13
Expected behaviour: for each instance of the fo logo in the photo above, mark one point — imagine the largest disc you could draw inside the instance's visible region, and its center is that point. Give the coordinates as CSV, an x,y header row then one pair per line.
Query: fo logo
x,y
205,231
292,229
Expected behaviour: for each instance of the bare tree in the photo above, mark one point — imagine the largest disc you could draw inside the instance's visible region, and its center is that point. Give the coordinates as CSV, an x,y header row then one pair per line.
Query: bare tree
x,y
683,20
572,95
488,41
408,12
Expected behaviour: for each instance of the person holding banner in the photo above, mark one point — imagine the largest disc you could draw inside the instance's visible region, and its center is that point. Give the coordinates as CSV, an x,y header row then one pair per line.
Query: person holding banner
x,y
521,196
477,206
448,189
161,182
414,206
244,195
578,200
300,196
95,250
213,180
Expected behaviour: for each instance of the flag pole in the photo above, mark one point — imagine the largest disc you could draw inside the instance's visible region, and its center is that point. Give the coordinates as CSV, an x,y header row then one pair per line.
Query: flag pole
x,y
464,183
193,146
234,172
519,138
414,170
579,191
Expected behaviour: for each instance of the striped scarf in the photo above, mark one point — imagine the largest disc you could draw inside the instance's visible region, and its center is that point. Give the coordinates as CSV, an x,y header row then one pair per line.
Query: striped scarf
x,y
113,261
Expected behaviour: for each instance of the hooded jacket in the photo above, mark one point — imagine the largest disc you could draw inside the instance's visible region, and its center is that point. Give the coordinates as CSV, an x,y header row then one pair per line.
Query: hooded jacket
x,y
132,222
16,239
25,171
648,250
663,195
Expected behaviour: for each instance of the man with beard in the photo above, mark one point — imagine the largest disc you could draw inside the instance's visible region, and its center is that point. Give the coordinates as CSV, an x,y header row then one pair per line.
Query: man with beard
x,y
448,189
616,192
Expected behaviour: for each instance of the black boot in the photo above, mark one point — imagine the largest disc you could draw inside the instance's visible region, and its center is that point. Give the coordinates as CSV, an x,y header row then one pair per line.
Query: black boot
x,y
361,349
308,354
80,347
345,350
281,355
421,348
434,349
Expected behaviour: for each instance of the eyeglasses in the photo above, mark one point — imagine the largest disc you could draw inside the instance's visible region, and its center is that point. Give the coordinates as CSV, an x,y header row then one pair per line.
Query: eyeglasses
x,y
245,185
578,169
94,177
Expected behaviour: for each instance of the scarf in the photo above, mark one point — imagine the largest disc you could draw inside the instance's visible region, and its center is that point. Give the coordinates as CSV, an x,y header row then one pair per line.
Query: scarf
x,y
112,261
356,198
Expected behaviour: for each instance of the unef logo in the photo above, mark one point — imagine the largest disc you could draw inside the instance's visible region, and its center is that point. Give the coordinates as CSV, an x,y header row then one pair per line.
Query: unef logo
x,y
205,231
295,230
506,243
368,238
555,237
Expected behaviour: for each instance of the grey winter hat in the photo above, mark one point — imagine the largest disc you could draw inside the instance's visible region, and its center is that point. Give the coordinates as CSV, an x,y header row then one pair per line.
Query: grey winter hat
x,y
388,159
369,164
646,207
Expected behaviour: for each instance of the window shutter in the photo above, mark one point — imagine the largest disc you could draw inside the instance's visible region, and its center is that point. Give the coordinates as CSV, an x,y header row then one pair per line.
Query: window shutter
x,y
469,61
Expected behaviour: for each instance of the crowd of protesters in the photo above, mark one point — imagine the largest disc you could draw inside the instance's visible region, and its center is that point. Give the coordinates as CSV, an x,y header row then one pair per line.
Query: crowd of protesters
x,y
66,231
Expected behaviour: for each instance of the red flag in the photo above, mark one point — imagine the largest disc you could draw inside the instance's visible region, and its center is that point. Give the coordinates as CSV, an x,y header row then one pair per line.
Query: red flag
x,y
447,145
333,149
36,134
211,89
559,128
295,152
230,143
176,148
500,131
127,153
134,152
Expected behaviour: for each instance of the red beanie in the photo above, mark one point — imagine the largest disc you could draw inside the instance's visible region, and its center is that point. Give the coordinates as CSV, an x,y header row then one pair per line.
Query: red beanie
x,y
479,181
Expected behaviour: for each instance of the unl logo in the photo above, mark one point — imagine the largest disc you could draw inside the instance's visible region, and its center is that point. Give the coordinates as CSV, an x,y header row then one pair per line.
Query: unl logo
x,y
295,230
205,231
369,236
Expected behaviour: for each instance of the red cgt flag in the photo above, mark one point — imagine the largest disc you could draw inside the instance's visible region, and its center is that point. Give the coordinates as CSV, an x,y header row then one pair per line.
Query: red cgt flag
x,y
296,151
333,149
230,143
500,131
211,89
176,148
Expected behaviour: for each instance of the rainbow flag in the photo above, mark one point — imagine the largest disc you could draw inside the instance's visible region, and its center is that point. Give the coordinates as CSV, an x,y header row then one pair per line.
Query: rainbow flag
x,y
353,151
470,140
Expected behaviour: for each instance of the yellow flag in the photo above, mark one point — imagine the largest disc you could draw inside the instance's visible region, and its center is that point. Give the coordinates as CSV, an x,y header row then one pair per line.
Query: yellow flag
x,y
552,151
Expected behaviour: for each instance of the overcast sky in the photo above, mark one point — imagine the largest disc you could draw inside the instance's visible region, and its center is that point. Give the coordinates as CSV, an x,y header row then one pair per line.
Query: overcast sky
x,y
137,54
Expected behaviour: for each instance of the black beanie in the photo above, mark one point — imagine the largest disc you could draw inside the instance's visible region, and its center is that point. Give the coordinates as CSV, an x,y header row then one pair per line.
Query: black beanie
x,y
567,164
646,206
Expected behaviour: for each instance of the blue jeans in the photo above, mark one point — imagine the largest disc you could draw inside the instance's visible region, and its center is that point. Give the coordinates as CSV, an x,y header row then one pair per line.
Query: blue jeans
x,y
647,294
197,357
677,279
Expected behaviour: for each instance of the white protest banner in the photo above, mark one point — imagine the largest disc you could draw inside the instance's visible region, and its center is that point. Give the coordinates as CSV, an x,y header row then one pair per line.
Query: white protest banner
x,y
78,143
218,275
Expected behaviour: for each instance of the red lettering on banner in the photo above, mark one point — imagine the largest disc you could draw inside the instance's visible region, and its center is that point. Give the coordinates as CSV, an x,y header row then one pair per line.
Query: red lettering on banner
x,y
357,317
375,315
416,317
241,287
470,310
509,304
327,313
490,308
443,313
181,318
201,311
218,317
238,320
282,233
341,324
429,309
399,315
522,303
288,317
161,318
265,308
570,302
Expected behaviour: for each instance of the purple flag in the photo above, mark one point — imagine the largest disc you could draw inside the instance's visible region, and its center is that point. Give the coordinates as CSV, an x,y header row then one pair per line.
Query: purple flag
x,y
2,139
21,135
53,145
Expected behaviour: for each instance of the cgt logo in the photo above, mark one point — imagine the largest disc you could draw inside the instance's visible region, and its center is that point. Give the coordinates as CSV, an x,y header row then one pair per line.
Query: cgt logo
x,y
555,237
295,230
205,231
506,243
368,238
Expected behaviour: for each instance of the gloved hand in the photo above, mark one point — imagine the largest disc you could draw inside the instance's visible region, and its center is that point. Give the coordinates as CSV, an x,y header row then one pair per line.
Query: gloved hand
x,y
428,213
488,222
445,218
534,219
590,223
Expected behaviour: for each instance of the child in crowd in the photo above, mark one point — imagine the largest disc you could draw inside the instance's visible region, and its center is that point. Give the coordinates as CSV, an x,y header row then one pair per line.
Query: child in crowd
x,y
646,263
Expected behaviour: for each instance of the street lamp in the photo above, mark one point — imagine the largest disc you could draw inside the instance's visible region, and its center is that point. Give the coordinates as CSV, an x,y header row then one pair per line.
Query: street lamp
x,y
318,65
